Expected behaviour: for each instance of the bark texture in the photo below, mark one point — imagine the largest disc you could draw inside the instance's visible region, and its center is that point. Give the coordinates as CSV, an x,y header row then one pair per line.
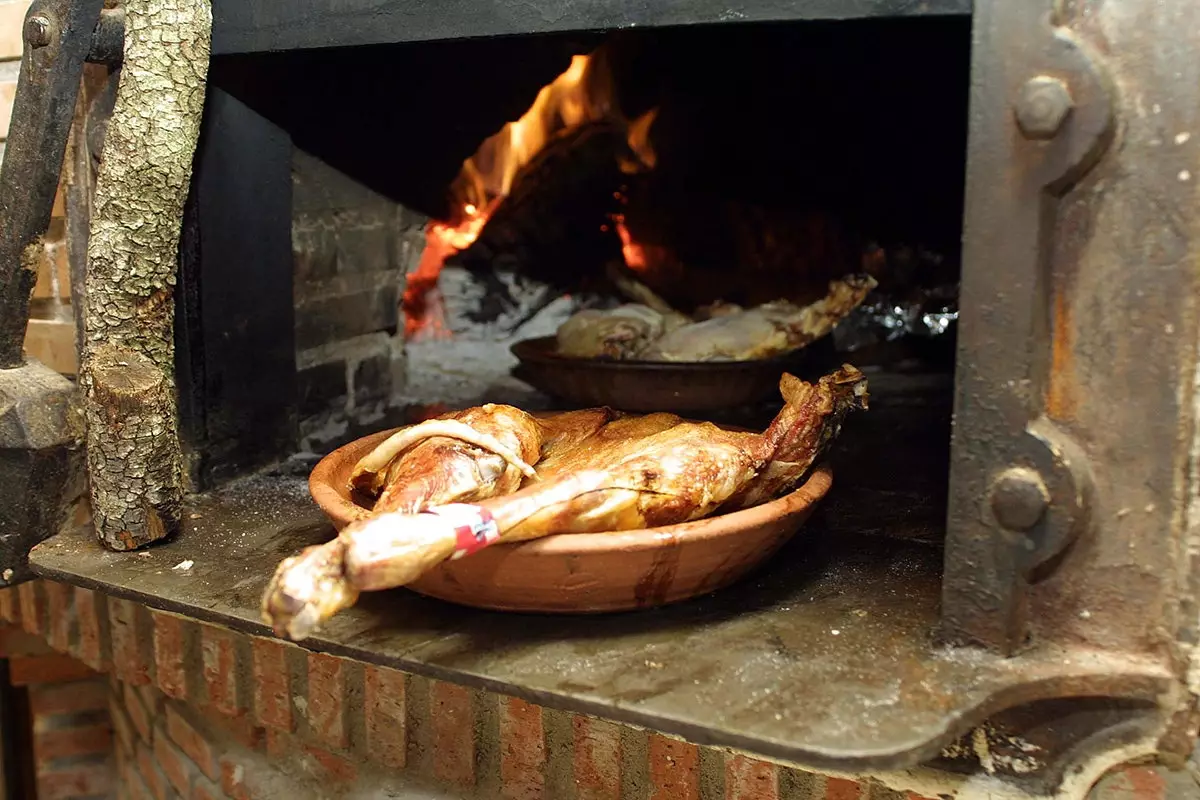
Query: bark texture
x,y
128,360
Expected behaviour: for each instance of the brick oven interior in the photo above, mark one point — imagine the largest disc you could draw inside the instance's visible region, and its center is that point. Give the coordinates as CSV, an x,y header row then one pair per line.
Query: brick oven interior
x,y
380,133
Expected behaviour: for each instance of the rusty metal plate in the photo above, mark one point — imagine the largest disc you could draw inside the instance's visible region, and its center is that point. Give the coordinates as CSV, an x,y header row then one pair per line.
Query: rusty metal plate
x,y
825,658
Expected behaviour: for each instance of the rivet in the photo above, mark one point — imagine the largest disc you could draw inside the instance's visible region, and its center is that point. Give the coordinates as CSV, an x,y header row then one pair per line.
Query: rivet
x,y
1019,498
1043,106
38,30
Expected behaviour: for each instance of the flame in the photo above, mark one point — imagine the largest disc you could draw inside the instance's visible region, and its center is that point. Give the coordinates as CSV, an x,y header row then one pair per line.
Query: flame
x,y
582,94
648,260
633,252
442,240
577,96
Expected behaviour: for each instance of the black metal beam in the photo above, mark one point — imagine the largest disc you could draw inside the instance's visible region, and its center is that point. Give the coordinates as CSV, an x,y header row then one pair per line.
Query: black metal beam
x,y
241,26
58,37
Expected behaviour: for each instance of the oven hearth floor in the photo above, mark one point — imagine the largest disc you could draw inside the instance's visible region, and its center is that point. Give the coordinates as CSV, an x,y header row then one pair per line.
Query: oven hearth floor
x,y
825,658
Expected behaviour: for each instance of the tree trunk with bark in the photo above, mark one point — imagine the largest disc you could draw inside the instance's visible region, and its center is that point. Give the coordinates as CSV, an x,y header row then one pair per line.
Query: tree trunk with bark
x,y
128,360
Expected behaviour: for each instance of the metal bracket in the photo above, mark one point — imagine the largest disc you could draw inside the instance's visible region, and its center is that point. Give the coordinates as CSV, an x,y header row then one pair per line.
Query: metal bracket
x,y
40,460
1020,486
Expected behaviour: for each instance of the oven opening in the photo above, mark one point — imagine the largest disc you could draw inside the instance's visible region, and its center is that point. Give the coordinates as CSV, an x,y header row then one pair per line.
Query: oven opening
x,y
702,171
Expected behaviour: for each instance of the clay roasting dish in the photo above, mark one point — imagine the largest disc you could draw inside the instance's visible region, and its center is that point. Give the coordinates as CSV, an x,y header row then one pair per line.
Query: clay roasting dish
x,y
646,386
593,572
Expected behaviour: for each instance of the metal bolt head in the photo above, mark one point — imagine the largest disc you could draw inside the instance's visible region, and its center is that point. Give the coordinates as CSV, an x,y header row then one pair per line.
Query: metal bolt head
x,y
38,30
1043,106
1019,498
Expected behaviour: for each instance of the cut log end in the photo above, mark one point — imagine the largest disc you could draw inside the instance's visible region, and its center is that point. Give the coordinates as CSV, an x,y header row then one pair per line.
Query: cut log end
x,y
132,450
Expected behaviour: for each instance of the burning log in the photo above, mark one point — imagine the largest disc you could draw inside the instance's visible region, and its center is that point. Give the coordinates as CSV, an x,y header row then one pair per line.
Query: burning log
x,y
127,369
578,170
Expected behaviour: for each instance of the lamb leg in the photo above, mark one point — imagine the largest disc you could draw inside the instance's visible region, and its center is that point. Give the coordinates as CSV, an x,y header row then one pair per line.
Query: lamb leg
x,y
678,474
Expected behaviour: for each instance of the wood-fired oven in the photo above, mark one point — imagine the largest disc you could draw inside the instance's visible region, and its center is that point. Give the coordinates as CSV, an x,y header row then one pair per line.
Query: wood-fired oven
x,y
1010,539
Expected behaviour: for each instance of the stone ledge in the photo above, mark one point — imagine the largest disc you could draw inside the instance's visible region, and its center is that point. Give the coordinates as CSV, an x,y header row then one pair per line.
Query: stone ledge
x,y
192,703
755,667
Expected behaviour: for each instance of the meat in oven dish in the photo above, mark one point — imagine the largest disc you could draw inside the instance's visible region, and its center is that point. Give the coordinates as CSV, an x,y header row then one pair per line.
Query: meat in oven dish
x,y
447,487
649,330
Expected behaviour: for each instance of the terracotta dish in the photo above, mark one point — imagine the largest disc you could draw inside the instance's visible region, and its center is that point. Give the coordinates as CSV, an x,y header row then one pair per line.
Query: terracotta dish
x,y
594,572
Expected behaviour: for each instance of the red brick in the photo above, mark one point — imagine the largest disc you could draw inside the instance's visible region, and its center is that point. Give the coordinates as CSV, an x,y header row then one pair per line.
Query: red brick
x,y
1131,783
674,769
384,703
174,764
272,685
241,728
156,782
453,733
522,750
204,789
132,781
326,700
193,743
332,767
68,698
16,641
89,649
597,759
842,789
52,668
280,744
750,779
79,780
218,649
1147,783
10,604
138,713
168,655
32,607
61,614
233,779
122,727
69,742
128,652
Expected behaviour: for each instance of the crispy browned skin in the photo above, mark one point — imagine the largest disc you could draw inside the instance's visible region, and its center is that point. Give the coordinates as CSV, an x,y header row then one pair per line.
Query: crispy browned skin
x,y
795,441
632,472
444,470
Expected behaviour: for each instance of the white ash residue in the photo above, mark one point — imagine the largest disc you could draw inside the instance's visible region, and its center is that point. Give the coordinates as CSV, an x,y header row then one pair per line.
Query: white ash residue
x,y
996,751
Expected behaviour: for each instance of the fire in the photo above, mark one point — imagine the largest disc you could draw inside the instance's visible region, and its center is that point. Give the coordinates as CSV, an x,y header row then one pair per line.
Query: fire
x,y
649,260
581,95
442,240
634,252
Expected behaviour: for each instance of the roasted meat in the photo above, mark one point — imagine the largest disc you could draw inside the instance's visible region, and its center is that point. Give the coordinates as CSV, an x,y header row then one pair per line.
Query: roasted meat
x,y
459,457
721,332
623,474
769,330
618,333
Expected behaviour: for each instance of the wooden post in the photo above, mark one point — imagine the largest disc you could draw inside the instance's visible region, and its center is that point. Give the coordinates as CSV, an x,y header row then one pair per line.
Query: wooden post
x,y
128,361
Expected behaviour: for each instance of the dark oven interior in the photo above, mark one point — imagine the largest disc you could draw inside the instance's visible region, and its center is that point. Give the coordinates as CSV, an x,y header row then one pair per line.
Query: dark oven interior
x,y
784,155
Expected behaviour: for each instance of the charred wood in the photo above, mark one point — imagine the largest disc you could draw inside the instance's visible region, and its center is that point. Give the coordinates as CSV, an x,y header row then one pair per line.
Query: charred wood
x,y
553,225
